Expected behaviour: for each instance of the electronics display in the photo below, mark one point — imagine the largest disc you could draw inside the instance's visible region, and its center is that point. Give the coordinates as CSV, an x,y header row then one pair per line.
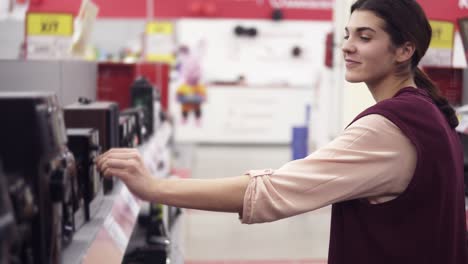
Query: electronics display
x,y
7,222
40,174
65,174
84,144
140,129
142,95
128,130
102,116
124,131
157,248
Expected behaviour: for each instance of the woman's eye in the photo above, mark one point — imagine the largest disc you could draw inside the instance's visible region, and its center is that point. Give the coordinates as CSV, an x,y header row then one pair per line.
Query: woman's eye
x,y
365,38
346,37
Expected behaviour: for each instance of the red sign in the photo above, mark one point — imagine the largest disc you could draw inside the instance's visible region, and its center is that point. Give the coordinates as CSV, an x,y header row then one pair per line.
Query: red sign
x,y
254,9
449,10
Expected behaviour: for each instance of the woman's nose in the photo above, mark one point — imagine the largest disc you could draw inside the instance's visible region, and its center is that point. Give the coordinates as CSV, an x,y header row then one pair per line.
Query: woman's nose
x,y
348,46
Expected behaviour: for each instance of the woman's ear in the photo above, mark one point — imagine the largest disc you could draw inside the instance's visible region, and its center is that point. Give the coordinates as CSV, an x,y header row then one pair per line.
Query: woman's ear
x,y
405,52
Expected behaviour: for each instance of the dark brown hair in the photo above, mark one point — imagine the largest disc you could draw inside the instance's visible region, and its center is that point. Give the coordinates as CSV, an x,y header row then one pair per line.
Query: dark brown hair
x,y
406,21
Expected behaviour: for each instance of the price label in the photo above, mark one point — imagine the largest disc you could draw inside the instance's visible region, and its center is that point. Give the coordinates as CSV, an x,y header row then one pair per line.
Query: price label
x,y
440,49
164,28
130,200
116,232
442,34
160,43
48,24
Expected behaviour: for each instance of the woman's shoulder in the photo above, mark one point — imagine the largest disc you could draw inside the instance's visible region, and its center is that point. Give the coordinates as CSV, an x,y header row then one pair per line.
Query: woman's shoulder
x,y
408,101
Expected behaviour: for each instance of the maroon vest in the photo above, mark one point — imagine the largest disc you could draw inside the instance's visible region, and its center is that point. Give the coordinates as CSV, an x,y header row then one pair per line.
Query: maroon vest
x,y
426,223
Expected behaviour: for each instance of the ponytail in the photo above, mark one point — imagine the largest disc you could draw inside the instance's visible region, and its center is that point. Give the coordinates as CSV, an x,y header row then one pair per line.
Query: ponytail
x,y
424,82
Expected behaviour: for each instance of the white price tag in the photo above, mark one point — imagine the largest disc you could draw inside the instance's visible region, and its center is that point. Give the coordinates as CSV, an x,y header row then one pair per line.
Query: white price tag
x,y
130,200
116,232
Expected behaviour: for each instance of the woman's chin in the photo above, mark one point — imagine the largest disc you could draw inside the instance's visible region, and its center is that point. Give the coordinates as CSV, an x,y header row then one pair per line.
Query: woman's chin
x,y
352,79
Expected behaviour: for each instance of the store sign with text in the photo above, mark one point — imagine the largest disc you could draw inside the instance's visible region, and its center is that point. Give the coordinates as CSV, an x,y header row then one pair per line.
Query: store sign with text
x,y
159,41
441,47
49,35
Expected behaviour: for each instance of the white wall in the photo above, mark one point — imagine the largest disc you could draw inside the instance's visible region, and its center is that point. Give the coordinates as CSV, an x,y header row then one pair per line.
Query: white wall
x,y
11,37
69,80
323,114
278,86
248,115
263,60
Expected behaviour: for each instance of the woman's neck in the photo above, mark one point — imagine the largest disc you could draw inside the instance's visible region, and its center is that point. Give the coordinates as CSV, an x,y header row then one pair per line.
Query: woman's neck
x,y
387,88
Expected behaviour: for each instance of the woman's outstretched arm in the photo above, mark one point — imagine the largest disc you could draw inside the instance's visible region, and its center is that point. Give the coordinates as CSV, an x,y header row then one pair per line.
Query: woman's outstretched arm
x,y
224,195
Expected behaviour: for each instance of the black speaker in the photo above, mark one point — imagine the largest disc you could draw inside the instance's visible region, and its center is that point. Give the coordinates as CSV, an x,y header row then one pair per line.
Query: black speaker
x,y
40,178
7,222
142,95
139,116
84,144
102,116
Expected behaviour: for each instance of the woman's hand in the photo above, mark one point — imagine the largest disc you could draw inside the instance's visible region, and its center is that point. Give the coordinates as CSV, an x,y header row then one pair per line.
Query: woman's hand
x,y
225,195
127,165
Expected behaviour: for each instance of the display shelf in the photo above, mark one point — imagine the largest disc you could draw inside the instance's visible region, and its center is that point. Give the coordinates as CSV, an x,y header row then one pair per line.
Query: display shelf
x,y
168,249
105,237
157,152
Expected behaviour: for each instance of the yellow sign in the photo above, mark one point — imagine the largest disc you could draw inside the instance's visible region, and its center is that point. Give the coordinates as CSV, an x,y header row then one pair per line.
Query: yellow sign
x,y
161,58
49,24
442,34
164,28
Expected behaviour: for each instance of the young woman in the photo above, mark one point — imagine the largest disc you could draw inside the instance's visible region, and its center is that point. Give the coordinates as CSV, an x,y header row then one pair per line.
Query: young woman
x,y
394,176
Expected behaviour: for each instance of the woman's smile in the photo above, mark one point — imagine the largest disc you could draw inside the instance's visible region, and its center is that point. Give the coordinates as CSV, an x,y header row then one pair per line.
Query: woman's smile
x,y
351,63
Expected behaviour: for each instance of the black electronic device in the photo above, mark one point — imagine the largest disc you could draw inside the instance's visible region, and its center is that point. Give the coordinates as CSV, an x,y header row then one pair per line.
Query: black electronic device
x,y
128,131
142,95
124,130
140,129
84,144
102,116
156,247
7,222
156,230
242,31
72,202
277,14
40,174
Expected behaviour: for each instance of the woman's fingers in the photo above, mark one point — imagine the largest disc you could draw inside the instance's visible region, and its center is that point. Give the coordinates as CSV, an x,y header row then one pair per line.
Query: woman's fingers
x,y
119,173
117,154
114,163
116,151
128,166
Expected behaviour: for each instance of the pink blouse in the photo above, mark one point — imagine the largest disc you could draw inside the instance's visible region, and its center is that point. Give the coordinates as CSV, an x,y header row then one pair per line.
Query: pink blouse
x,y
371,159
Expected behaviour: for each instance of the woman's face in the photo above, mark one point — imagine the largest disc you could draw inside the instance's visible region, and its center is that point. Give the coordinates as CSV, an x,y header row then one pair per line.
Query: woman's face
x,y
367,49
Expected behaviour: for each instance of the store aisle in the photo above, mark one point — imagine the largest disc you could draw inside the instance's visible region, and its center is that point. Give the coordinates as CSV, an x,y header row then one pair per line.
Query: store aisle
x,y
216,238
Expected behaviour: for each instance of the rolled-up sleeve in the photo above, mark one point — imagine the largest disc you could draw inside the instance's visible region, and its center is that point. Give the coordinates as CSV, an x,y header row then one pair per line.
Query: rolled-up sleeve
x,y
372,159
